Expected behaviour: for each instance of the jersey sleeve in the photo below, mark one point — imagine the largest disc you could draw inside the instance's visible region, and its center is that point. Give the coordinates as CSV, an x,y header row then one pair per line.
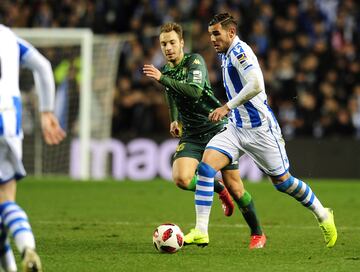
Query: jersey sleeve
x,y
241,60
173,111
43,75
197,71
24,48
195,79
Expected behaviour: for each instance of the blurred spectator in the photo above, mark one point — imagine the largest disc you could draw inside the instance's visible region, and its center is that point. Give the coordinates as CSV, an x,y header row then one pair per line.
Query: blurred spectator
x,y
309,52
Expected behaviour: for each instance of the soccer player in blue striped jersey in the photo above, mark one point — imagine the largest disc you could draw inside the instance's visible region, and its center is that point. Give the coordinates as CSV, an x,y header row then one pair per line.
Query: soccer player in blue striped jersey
x,y
252,129
191,99
13,219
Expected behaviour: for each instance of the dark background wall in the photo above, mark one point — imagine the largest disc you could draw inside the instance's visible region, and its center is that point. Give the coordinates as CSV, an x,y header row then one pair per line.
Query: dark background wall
x,y
325,158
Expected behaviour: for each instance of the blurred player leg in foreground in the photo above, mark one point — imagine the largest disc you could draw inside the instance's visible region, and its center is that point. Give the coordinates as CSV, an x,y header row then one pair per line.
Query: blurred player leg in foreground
x,y
14,220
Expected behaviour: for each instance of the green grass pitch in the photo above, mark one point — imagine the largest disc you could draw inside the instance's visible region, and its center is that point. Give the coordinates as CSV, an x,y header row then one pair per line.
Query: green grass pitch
x,y
108,226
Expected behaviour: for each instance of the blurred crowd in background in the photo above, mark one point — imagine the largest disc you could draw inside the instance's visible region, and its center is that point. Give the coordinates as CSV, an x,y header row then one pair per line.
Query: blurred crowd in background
x,y
309,51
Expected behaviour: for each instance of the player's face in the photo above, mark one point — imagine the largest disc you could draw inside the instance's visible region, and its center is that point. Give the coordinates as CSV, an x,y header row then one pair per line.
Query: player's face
x,y
221,38
172,46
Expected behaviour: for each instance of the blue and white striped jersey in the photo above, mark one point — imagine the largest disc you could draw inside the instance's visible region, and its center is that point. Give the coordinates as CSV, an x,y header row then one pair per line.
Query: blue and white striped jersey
x,y
236,63
12,51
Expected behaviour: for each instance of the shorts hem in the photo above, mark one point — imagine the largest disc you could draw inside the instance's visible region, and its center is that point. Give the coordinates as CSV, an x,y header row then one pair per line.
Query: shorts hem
x,y
278,176
17,177
185,156
227,154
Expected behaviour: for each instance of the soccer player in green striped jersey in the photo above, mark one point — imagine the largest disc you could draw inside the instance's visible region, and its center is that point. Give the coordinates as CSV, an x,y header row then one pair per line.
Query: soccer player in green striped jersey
x,y
191,100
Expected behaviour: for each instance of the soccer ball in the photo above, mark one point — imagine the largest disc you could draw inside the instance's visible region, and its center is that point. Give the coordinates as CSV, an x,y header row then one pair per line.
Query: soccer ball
x,y
168,238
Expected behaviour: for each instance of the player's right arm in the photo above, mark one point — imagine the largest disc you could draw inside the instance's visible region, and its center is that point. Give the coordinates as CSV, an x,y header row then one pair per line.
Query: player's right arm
x,y
251,88
253,80
45,86
194,82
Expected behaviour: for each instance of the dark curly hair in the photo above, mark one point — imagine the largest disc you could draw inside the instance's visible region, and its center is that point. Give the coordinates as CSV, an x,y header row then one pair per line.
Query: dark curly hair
x,y
225,19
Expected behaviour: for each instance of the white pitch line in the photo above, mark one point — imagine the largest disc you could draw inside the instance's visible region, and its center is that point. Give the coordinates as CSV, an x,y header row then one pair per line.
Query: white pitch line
x,y
127,223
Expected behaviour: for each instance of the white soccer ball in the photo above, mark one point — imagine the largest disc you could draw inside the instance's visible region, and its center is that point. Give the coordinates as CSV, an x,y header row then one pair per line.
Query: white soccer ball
x,y
168,238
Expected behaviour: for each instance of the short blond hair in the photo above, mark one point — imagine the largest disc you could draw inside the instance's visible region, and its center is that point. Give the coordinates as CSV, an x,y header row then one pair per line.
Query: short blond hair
x,y
168,27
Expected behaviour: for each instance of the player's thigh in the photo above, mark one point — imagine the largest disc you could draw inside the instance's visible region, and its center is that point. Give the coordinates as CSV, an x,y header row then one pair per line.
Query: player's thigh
x,y
11,168
223,149
8,191
216,159
186,160
267,148
11,165
189,150
184,169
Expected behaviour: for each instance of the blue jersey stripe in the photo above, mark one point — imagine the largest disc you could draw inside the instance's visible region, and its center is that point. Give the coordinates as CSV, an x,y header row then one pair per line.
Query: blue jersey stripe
x,y
238,118
236,111
226,86
253,113
235,78
17,104
23,49
1,125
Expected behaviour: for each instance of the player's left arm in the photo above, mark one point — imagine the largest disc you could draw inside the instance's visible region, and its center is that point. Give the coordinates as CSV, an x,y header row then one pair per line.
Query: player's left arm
x,y
45,86
251,88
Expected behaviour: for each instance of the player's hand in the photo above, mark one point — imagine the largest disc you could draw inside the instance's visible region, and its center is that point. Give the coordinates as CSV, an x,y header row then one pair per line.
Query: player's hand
x,y
219,113
52,132
151,71
176,129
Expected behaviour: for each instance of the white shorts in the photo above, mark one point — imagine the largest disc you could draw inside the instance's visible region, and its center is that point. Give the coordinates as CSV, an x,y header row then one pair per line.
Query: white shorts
x,y
263,144
11,166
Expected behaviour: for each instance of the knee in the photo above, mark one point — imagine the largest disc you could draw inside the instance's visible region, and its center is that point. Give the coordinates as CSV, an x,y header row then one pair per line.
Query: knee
x,y
182,181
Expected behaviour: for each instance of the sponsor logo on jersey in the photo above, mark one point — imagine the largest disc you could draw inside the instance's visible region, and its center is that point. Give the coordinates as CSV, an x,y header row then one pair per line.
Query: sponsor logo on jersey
x,y
197,76
242,57
244,61
196,61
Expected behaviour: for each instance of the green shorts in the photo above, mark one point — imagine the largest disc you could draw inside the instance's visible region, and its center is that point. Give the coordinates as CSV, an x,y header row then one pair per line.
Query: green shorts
x,y
190,147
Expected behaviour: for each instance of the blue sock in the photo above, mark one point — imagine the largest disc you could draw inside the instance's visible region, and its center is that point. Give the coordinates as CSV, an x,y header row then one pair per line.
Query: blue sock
x,y
17,225
302,193
204,195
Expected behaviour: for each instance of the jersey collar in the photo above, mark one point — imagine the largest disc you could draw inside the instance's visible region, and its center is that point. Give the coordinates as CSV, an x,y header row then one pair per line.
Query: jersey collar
x,y
235,41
